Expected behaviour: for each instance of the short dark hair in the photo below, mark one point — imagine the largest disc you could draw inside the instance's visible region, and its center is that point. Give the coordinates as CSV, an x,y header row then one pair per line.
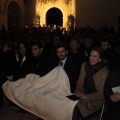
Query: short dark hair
x,y
37,43
62,44
75,38
106,39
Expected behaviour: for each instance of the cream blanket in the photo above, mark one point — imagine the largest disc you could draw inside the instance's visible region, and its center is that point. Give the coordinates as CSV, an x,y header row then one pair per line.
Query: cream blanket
x,y
43,96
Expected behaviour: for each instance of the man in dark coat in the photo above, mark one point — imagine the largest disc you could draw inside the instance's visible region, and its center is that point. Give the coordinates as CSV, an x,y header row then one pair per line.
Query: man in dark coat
x,y
7,63
40,62
112,98
112,57
75,53
70,66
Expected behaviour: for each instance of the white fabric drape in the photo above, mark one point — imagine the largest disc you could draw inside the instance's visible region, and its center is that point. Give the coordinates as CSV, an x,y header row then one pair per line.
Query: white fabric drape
x,y
43,96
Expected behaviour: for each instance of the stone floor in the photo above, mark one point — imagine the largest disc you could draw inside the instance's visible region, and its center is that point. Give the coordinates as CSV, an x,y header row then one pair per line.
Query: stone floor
x,y
6,113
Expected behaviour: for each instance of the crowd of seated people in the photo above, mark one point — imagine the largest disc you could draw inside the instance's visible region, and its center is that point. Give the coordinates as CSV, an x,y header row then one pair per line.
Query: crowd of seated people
x,y
22,53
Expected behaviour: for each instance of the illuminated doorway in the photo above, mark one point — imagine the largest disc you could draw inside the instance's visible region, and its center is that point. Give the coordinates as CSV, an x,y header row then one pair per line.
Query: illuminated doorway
x,y
54,16
65,7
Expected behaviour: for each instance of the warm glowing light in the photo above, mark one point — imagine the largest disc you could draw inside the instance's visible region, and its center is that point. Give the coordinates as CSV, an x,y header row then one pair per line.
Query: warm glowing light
x,y
40,2
36,21
67,7
45,1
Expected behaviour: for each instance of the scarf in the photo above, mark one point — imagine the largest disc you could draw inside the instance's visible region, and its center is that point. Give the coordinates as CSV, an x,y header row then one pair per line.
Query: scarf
x,y
91,70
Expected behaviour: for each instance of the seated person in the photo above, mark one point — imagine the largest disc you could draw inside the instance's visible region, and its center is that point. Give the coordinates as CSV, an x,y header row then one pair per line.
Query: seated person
x,y
70,66
40,62
88,44
43,96
23,57
111,109
7,63
75,53
90,84
112,57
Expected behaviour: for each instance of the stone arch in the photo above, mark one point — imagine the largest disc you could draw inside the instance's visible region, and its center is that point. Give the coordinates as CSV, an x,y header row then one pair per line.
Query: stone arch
x,y
20,5
47,7
54,16
18,2
66,8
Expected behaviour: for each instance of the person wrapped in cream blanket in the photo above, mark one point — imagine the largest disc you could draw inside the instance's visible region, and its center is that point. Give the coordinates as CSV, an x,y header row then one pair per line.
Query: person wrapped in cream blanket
x,y
43,96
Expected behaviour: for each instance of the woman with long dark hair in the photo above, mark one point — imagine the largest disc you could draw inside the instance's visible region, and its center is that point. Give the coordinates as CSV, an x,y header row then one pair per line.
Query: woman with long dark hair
x,y
22,60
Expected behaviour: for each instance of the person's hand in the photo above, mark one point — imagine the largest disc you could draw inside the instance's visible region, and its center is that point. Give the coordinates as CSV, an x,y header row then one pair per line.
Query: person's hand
x,y
81,95
115,97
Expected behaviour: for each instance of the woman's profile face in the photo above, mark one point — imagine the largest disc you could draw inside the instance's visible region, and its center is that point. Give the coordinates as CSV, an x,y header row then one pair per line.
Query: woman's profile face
x,y
94,57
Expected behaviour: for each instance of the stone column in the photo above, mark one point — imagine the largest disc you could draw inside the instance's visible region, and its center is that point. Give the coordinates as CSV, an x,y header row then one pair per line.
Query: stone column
x,y
74,10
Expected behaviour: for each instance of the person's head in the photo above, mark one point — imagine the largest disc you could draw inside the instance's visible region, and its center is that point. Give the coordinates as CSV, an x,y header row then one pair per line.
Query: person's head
x,y
74,44
105,44
7,45
22,48
96,56
88,42
37,49
56,40
61,50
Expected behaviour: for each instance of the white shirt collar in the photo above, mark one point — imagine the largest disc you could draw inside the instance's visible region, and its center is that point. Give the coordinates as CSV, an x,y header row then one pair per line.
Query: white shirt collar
x,y
63,61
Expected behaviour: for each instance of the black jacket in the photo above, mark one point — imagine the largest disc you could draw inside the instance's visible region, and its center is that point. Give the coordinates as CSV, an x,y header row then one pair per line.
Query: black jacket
x,y
72,70
111,109
40,65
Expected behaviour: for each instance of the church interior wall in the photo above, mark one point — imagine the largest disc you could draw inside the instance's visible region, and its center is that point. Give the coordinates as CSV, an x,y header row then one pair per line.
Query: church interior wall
x,y
4,11
95,13
30,12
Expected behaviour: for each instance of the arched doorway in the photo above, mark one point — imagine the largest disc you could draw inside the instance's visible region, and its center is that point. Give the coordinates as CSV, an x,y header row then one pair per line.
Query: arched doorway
x,y
14,16
54,16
